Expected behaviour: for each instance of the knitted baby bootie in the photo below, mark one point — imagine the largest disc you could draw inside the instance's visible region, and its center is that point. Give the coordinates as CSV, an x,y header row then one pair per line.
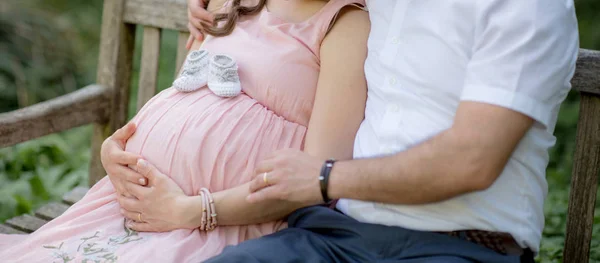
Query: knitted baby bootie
x,y
223,78
194,73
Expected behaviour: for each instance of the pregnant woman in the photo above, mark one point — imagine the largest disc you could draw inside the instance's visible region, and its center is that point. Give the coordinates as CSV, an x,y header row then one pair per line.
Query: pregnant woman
x,y
300,66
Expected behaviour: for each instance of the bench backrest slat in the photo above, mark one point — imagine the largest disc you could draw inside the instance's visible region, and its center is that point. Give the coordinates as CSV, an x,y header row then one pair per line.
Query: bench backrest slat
x,y
167,14
114,72
584,181
182,38
586,159
149,65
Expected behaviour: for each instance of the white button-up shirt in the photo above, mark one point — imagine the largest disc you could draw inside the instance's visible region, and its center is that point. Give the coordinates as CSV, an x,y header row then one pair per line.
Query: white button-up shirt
x,y
427,56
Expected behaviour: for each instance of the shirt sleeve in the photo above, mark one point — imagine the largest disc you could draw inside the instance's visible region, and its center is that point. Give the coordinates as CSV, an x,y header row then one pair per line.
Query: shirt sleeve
x,y
523,56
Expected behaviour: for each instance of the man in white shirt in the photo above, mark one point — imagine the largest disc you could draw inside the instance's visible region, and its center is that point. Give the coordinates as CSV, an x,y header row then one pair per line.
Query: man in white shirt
x,y
462,103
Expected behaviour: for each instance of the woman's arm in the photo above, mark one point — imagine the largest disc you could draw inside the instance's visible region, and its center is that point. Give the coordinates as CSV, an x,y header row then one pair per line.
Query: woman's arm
x,y
337,114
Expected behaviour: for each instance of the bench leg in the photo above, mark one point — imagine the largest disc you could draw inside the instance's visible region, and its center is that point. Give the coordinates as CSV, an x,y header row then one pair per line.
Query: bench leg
x,y
584,181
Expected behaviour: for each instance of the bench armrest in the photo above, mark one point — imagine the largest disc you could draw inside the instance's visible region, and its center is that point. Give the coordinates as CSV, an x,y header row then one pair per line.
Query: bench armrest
x,y
84,106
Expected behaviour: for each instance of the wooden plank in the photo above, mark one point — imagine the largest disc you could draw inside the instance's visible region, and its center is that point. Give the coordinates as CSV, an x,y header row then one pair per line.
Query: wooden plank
x,y
587,74
149,65
182,52
75,195
84,106
26,223
96,171
168,14
114,72
584,181
51,211
4,229
115,59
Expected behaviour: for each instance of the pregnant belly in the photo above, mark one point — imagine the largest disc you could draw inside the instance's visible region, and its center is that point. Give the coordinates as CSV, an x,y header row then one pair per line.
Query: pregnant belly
x,y
201,140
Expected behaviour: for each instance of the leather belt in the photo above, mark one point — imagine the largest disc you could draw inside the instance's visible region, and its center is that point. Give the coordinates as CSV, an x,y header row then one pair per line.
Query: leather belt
x,y
502,243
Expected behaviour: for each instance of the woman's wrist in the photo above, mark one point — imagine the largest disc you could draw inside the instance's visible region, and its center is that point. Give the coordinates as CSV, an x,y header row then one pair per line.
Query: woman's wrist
x,y
190,211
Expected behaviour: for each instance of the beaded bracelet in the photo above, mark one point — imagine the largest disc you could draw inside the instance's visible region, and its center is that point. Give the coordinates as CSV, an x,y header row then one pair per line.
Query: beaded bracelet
x,y
206,206
213,212
209,215
203,220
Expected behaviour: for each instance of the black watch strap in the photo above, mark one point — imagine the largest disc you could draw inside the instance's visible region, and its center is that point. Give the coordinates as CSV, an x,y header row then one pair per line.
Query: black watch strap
x,y
324,179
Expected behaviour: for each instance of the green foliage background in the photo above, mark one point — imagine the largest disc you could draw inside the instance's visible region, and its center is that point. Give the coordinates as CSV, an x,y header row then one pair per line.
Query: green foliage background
x,y
50,47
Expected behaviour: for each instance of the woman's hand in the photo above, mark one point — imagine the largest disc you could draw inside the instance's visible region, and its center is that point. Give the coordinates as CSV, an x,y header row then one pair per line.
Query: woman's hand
x,y
116,160
197,14
159,207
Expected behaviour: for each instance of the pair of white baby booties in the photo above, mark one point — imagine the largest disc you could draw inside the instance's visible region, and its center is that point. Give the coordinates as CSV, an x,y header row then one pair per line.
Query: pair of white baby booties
x,y
219,72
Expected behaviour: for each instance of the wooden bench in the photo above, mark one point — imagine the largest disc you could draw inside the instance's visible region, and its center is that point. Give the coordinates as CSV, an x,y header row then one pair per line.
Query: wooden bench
x,y
105,105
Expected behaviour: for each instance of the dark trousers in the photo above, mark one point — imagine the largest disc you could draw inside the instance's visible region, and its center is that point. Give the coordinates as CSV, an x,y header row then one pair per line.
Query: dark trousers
x,y
320,234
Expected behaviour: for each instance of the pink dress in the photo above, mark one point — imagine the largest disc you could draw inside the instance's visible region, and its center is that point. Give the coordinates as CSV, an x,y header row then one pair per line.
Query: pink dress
x,y
200,140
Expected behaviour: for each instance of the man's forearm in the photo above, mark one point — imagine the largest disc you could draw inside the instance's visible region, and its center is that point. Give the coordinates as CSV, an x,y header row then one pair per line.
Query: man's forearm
x,y
435,170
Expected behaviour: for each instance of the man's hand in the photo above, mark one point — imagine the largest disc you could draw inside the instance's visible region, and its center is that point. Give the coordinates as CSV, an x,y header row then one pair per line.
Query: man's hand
x,y
161,206
197,15
116,160
292,175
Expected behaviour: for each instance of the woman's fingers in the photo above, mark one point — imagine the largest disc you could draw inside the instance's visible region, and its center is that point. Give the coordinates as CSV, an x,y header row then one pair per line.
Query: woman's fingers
x,y
197,14
128,174
126,194
196,33
119,188
190,41
124,158
199,11
141,227
139,192
129,204
130,214
194,21
125,132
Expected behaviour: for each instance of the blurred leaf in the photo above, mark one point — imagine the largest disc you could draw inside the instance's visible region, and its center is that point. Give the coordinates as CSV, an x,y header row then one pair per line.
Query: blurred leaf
x,y
23,204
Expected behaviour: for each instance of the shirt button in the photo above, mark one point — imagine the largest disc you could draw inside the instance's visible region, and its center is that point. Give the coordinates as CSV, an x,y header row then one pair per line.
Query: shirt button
x,y
395,40
393,81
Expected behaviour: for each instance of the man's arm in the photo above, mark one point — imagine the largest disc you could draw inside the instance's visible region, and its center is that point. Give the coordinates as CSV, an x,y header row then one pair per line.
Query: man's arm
x,y
465,158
